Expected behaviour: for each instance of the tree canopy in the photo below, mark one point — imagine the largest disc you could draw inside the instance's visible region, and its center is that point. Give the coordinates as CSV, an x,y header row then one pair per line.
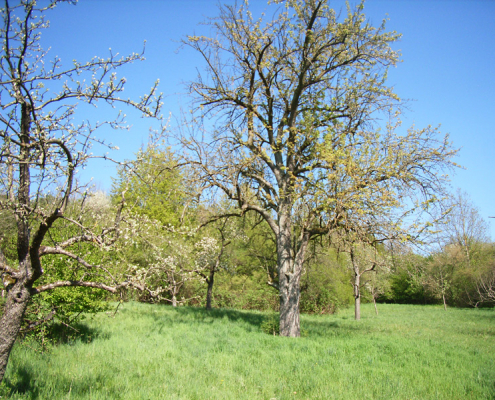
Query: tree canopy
x,y
297,103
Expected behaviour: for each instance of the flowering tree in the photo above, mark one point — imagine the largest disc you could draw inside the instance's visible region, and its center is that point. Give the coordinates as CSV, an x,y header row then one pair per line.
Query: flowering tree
x,y
210,255
42,148
161,258
296,101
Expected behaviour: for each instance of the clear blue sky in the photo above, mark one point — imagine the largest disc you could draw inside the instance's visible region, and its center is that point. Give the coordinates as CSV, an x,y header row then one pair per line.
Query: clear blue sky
x,y
448,68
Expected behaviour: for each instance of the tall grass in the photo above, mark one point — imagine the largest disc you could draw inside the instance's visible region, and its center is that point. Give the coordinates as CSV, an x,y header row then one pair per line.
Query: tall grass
x,y
156,352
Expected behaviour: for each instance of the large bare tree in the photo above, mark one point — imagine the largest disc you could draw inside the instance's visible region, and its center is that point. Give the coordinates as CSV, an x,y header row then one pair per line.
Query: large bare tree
x,y
289,108
42,147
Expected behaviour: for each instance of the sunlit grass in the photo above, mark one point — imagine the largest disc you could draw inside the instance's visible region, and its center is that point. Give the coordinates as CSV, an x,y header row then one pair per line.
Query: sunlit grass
x,y
156,352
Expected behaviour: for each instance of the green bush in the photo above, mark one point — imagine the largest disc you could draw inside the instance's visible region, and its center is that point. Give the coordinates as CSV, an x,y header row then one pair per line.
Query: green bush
x,y
325,288
271,324
243,292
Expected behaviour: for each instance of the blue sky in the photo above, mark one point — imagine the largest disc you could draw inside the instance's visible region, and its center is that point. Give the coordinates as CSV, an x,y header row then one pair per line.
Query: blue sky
x,y
448,68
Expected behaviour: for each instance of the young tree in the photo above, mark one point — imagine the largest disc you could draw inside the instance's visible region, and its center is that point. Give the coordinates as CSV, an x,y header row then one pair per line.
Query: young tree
x,y
209,259
42,148
296,140
365,256
363,261
161,259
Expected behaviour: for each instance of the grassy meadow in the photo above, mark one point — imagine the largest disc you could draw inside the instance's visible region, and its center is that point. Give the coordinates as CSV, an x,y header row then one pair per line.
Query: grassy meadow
x,y
157,352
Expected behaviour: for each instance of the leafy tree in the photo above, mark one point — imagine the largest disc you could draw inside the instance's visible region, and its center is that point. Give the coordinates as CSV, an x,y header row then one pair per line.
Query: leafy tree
x,y
162,253
364,259
296,101
325,281
407,274
66,305
155,185
41,150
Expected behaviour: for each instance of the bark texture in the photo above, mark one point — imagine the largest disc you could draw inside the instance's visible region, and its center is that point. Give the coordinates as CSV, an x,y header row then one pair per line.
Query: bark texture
x,y
10,323
290,269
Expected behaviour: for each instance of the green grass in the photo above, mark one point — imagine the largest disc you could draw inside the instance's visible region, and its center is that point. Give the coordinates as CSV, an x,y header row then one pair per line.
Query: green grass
x,y
156,352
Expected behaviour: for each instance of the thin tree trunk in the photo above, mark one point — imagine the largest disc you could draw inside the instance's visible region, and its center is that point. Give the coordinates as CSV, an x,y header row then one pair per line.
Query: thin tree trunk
x,y
442,282
374,303
357,306
357,291
174,300
209,292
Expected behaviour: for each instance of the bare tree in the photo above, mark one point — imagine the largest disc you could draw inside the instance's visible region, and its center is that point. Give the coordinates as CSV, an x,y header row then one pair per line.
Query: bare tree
x,y
485,285
459,248
42,148
294,103
362,245
463,226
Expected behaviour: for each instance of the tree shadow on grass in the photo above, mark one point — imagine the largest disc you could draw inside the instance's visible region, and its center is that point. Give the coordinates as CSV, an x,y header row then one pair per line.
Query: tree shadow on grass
x,y
22,382
198,315
59,333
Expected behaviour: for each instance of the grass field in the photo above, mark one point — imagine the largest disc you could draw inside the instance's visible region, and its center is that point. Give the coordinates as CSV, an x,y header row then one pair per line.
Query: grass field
x,y
156,352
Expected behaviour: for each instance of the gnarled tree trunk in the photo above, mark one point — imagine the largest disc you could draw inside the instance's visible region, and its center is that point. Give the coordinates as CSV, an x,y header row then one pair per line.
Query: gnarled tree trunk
x,y
289,272
10,324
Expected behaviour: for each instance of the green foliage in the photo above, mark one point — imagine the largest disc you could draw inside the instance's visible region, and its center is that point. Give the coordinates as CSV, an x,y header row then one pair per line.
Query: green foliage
x,y
155,352
54,313
154,185
406,289
325,287
237,291
271,324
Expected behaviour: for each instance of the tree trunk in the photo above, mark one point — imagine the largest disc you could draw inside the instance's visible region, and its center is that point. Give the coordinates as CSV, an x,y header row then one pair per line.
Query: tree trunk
x,y
374,303
209,292
289,273
357,295
289,307
20,293
10,324
174,300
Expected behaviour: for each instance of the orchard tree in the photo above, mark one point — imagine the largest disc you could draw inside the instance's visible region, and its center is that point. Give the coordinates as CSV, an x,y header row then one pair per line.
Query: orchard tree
x,y
42,148
161,259
209,260
215,238
364,260
290,107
